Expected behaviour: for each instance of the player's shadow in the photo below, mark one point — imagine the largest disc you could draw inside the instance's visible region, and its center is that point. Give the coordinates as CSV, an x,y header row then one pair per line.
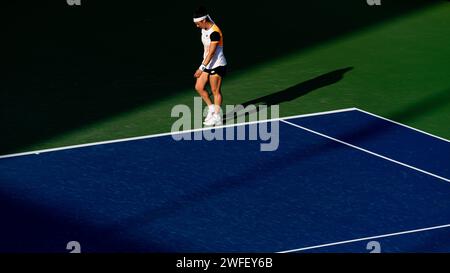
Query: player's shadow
x,y
290,93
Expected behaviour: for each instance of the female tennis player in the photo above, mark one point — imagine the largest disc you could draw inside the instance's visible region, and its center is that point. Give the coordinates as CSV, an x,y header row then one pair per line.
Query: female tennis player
x,y
213,67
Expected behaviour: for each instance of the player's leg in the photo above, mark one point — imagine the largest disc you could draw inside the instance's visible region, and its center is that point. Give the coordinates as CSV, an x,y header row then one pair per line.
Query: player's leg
x,y
215,82
200,87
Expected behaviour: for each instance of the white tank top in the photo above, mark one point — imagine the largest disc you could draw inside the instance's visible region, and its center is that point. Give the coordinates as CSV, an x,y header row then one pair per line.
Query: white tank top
x,y
218,58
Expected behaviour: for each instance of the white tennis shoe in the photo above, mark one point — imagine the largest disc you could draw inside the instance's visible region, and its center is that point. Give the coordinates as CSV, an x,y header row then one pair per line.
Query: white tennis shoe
x,y
215,120
208,117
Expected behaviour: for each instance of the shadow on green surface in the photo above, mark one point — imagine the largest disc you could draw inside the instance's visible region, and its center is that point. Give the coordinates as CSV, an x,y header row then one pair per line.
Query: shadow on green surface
x,y
293,92
435,102
301,89
73,66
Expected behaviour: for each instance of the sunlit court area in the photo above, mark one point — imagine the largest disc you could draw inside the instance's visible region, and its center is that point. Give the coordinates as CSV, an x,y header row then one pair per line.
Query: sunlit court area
x,y
332,131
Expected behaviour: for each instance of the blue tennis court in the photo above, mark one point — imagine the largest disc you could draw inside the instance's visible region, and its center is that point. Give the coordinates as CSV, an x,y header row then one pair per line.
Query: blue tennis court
x,y
337,181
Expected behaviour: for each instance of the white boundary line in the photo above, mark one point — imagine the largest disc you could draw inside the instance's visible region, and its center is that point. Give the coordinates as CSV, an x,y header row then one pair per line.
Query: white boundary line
x,y
401,124
171,133
367,151
365,239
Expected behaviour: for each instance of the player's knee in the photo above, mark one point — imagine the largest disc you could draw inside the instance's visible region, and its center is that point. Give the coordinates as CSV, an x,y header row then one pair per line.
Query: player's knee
x,y
199,88
215,91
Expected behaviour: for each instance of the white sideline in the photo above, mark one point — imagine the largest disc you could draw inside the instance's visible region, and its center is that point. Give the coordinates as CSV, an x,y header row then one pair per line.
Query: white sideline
x,y
365,239
401,124
367,151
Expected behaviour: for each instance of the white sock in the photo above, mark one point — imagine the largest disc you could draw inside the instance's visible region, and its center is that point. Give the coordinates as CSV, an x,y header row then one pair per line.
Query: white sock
x,y
212,108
